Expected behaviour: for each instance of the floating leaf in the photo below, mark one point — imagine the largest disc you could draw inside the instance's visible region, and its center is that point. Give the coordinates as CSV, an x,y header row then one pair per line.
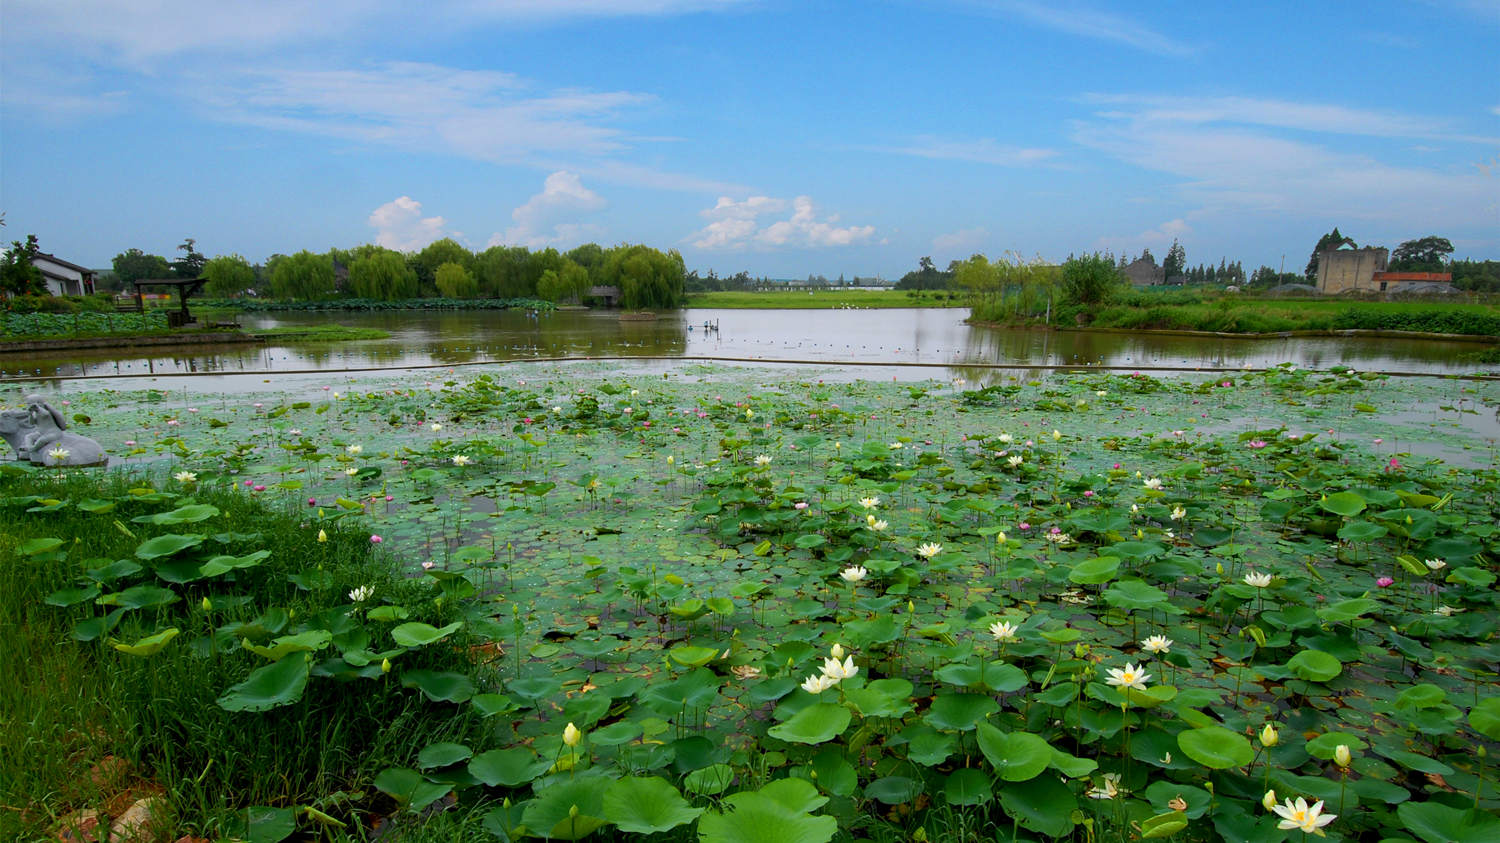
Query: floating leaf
x,y
512,767
439,686
1315,666
442,754
1215,747
567,809
1016,756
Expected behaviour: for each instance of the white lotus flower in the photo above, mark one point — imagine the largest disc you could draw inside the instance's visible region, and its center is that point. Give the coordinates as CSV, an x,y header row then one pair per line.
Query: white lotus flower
x,y
1153,483
1158,644
853,573
928,550
1132,676
1258,580
818,684
355,449
1004,632
1310,820
185,477
839,670
461,460
361,594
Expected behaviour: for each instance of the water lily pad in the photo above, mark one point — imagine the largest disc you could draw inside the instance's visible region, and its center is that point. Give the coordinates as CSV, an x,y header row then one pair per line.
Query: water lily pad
x,y
1215,747
1016,756
410,790
439,685
567,809
815,724
1314,666
647,805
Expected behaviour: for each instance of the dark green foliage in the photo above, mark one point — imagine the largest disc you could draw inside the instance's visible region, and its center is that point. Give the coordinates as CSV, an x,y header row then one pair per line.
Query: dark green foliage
x,y
1431,320
305,275
1428,254
135,265
1090,279
18,276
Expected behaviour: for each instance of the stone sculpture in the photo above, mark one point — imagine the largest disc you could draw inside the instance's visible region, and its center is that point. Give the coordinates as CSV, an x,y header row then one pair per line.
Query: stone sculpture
x,y
39,434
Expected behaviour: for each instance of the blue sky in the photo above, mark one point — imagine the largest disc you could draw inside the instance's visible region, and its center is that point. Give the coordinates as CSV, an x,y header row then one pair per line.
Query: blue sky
x,y
784,138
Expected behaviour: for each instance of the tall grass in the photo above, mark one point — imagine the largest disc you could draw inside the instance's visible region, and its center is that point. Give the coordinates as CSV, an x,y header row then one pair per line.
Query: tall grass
x,y
67,704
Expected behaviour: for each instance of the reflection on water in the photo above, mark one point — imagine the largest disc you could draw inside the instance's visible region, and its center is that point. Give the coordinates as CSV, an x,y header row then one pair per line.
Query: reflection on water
x,y
855,338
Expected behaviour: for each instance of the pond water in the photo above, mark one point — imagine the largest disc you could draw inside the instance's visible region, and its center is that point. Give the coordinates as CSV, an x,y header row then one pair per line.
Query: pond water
x,y
909,344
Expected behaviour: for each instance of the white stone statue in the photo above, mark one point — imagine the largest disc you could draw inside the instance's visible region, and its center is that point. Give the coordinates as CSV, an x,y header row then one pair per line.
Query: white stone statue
x,y
39,434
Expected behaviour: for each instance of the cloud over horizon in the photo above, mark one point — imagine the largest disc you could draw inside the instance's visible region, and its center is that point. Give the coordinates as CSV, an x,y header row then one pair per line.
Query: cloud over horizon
x,y
736,225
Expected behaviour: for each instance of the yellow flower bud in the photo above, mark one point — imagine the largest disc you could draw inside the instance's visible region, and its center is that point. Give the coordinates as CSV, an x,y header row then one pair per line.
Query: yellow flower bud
x,y
837,651
571,735
385,665
1269,800
1341,755
207,605
1268,736
322,536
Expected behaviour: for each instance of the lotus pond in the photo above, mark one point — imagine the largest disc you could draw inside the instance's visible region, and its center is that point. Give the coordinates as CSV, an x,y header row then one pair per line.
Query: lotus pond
x,y
735,605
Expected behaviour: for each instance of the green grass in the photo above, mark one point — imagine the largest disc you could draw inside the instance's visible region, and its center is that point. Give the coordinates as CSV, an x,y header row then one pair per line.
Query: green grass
x,y
824,299
65,703
322,333
1234,313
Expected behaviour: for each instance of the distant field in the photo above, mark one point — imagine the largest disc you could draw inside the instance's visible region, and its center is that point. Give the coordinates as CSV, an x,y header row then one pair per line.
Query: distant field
x,y
824,300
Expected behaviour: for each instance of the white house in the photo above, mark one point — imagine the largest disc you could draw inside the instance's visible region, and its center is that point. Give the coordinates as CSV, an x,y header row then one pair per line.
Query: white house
x,y
63,278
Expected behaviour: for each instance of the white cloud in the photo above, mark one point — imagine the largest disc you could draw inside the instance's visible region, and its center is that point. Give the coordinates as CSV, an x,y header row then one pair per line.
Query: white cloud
x,y
485,115
399,225
1281,114
548,218
981,151
1078,19
736,225
963,240
1233,156
137,32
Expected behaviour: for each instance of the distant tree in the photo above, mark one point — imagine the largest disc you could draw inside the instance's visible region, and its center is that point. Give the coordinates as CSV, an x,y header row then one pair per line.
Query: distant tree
x,y
926,277
455,282
1429,254
575,279
1175,261
501,271
306,275
18,274
1476,276
434,255
1089,279
383,275
646,277
228,275
1331,240
589,256
1147,256
135,265
190,265
978,277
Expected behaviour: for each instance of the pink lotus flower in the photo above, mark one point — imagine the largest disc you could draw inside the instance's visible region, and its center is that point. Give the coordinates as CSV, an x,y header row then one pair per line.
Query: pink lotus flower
x,y
1256,444
312,501
376,539
1088,493
259,488
1395,464
1385,582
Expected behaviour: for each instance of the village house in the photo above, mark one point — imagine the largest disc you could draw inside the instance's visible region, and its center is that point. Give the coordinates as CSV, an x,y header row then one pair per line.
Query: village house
x,y
64,278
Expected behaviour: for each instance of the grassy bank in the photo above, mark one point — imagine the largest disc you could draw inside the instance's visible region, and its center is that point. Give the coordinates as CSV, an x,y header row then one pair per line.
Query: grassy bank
x,y
1192,310
824,299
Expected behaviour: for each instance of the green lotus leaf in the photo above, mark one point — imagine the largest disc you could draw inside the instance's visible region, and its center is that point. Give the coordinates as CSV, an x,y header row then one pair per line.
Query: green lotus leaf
x,y
166,545
1215,747
1016,756
815,724
439,685
408,787
442,754
1315,666
647,806
418,634
148,646
567,809
276,684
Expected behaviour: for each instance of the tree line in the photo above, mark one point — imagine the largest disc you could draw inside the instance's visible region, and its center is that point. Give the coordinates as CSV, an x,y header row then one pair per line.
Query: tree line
x,y
645,277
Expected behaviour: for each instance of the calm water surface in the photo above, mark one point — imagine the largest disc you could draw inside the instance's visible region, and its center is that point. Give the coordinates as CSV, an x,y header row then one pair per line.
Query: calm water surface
x,y
858,342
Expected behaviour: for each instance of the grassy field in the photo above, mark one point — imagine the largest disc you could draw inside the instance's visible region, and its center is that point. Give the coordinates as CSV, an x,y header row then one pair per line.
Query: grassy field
x,y
825,299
